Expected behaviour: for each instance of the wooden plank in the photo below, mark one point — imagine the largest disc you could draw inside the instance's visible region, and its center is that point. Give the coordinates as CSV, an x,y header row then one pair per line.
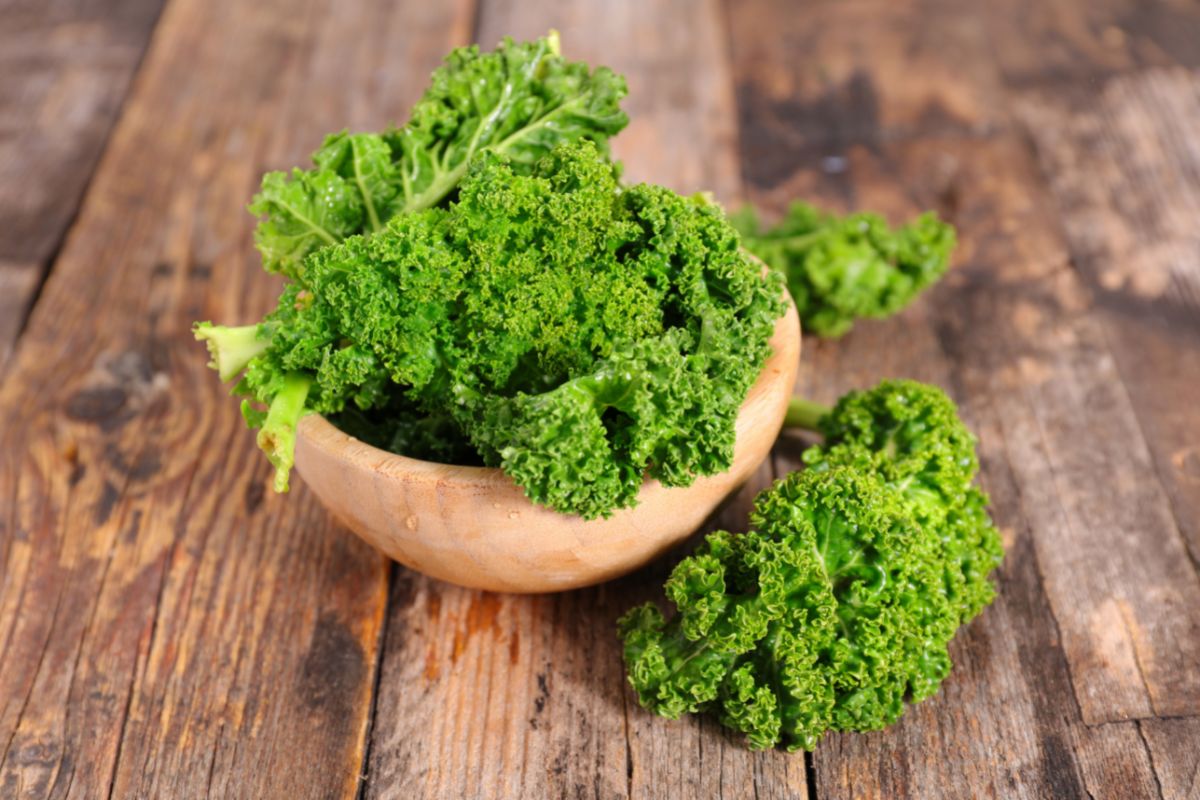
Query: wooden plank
x,y
1016,338
1073,41
873,72
1119,159
485,695
168,628
1174,746
999,726
1006,723
64,69
1122,162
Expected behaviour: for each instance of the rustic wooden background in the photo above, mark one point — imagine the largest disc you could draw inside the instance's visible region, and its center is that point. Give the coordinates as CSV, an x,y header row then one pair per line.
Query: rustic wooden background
x,y
169,629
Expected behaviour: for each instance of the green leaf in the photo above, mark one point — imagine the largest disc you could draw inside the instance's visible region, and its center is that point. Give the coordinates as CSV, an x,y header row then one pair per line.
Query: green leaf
x,y
307,211
836,608
579,335
365,161
520,101
840,269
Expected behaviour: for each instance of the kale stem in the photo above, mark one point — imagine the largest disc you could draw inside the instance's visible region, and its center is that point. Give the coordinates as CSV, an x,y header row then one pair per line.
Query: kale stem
x,y
232,349
277,438
805,414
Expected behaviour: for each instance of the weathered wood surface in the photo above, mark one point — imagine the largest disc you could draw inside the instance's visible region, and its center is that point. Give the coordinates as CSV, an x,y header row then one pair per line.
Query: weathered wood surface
x,y
169,630
1075,43
1124,165
64,69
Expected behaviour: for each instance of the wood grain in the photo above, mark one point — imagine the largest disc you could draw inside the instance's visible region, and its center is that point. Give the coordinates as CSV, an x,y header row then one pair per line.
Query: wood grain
x,y
1117,153
1173,750
873,72
168,628
1071,43
484,695
1124,169
64,69
1120,207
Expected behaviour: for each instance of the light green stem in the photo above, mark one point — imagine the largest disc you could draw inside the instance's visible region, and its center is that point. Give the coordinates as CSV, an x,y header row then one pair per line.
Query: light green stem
x,y
277,438
803,413
231,348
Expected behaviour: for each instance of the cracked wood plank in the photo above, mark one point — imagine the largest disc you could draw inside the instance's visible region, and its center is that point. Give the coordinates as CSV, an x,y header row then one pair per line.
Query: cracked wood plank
x,y
65,68
169,628
1122,162
1174,750
1112,129
485,695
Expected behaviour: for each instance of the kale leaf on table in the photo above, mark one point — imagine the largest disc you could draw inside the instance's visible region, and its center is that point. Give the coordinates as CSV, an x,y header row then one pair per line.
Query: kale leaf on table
x,y
840,269
837,606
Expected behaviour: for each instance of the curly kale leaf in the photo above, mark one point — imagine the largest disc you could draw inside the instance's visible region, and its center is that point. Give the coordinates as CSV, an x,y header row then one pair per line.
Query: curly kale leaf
x,y
823,616
659,326
587,444
519,100
575,333
837,607
840,269
910,433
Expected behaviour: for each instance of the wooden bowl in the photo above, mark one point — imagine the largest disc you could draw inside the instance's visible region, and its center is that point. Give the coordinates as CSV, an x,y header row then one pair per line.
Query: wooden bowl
x,y
473,526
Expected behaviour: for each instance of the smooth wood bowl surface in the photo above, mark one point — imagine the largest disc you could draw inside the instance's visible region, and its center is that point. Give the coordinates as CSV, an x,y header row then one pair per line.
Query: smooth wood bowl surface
x,y
473,526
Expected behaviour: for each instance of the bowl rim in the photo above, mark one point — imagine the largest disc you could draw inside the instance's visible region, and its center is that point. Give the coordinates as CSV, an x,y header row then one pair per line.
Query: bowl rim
x,y
326,434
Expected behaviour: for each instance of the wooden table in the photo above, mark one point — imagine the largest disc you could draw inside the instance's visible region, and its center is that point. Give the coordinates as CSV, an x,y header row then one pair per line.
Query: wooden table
x,y
168,629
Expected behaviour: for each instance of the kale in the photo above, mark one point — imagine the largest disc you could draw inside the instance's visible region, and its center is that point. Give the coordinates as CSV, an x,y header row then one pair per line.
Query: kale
x,y
578,334
519,101
840,269
837,606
